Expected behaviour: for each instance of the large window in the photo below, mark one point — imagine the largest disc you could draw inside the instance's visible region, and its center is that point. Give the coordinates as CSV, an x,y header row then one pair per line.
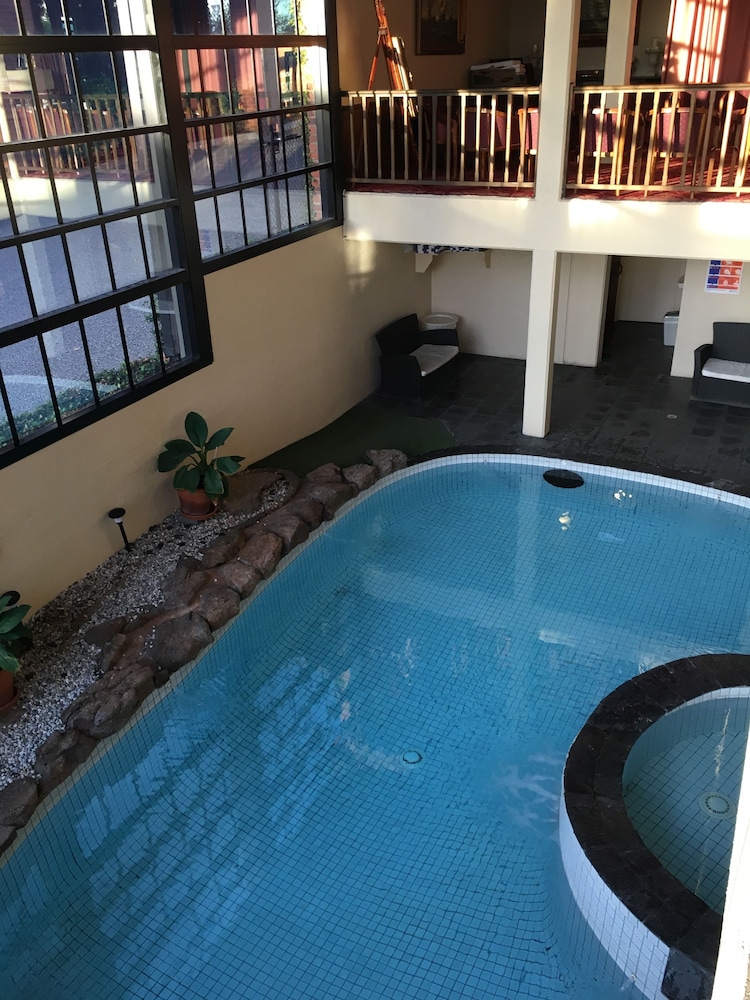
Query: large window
x,y
142,145
254,94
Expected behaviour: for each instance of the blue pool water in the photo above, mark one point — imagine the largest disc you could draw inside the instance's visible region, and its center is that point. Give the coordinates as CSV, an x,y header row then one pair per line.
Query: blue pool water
x,y
355,793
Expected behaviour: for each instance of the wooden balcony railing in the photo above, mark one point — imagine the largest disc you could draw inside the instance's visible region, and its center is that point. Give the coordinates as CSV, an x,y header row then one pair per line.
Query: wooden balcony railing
x,y
445,138
675,142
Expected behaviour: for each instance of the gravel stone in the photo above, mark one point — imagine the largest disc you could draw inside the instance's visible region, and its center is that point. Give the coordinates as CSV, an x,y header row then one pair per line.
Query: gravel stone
x,y
61,664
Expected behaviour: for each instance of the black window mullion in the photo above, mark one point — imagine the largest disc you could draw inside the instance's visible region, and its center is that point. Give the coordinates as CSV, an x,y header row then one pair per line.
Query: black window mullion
x,y
157,334
89,362
20,15
102,225
131,166
27,282
278,73
33,236
288,205
50,380
22,145
142,237
53,187
218,225
37,101
66,19
107,20
29,45
208,41
119,93
125,351
196,326
91,307
9,411
8,198
78,92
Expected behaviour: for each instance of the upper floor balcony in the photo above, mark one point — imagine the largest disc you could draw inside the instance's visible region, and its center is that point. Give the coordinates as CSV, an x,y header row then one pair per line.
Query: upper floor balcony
x,y
686,143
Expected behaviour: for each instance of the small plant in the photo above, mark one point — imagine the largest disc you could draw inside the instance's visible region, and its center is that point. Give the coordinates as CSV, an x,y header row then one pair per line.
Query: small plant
x,y
13,632
196,468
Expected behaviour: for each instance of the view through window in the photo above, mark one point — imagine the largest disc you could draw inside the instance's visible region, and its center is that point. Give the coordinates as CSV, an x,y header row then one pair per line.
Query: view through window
x,y
142,143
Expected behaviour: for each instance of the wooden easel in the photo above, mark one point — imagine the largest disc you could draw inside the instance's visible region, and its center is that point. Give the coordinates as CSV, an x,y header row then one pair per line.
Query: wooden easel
x,y
399,76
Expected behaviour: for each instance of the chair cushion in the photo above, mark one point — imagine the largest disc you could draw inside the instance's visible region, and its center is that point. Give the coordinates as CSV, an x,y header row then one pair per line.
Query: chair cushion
x,y
735,371
433,356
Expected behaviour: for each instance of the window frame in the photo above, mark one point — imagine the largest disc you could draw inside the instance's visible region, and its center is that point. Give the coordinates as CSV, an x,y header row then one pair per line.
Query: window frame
x,y
187,278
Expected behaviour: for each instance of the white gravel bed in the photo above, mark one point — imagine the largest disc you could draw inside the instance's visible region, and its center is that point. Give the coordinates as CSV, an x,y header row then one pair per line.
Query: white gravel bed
x,y
60,664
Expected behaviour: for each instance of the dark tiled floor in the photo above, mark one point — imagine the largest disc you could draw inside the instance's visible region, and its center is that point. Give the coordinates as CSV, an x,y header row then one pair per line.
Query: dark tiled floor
x,y
628,412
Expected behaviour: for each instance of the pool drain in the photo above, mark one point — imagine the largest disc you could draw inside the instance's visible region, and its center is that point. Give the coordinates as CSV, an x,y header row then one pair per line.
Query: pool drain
x,y
717,805
562,478
413,757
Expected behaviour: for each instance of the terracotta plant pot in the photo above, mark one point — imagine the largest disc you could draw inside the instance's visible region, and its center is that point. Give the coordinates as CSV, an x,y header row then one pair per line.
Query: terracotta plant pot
x,y
8,690
196,505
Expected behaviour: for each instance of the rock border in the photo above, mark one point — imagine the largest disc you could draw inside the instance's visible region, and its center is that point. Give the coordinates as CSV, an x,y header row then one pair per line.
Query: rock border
x,y
137,656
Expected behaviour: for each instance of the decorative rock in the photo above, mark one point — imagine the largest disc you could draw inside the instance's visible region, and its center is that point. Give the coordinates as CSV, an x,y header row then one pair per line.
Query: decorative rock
x,y
18,800
186,566
181,594
7,836
217,605
309,510
262,551
179,641
150,614
108,703
113,651
99,635
246,489
291,530
387,460
222,549
239,576
161,677
331,495
60,755
361,476
328,473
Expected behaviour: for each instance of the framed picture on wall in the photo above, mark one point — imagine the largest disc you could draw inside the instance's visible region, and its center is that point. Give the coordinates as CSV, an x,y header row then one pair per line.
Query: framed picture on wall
x,y
441,27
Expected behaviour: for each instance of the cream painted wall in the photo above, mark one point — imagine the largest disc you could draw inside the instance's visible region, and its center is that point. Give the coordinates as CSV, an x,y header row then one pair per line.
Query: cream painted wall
x,y
701,309
648,288
492,303
292,334
486,37
581,302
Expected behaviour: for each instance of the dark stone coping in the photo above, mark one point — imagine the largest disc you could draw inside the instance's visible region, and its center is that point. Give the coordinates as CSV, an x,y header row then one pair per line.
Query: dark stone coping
x,y
594,801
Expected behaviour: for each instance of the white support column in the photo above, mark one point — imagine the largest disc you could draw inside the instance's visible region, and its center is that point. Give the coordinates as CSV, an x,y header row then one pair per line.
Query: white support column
x,y
540,344
620,34
558,73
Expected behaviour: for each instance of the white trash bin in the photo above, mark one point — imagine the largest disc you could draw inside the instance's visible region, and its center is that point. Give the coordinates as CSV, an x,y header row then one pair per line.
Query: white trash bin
x,y
671,319
439,321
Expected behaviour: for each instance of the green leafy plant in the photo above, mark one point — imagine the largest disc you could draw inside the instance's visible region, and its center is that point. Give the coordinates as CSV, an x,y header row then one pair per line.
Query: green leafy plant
x,y
13,632
196,467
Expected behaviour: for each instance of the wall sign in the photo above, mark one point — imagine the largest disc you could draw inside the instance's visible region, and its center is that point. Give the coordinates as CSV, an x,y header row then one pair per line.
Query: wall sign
x,y
724,276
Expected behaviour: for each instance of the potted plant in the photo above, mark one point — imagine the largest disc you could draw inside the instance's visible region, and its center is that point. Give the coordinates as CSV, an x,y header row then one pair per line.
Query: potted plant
x,y
13,635
201,476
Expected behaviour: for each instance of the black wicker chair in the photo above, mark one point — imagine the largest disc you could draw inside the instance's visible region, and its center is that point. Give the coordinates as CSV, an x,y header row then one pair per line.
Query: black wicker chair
x,y
411,359
721,371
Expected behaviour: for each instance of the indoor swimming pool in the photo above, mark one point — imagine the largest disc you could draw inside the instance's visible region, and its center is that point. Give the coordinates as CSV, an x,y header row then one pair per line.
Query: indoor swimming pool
x,y
355,791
